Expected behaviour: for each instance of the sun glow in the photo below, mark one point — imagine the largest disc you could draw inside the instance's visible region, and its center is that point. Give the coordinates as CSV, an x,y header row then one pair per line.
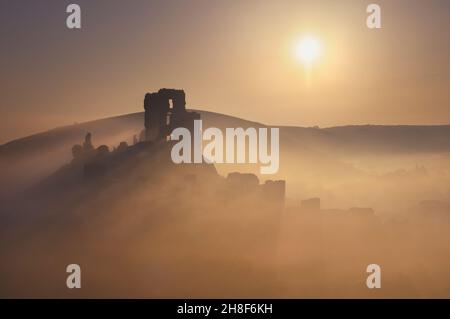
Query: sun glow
x,y
308,49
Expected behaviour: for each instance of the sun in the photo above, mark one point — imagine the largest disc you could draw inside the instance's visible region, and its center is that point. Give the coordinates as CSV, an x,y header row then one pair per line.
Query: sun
x,y
308,49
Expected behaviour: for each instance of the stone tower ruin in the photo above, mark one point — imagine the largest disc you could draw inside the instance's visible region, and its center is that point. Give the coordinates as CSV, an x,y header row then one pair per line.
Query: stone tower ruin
x,y
165,110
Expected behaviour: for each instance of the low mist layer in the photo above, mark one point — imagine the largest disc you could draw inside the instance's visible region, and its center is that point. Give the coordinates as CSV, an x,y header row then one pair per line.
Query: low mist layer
x,y
151,229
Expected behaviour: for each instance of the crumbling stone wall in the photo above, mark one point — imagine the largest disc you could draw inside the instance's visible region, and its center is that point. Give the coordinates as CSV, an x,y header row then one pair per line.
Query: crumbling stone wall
x,y
161,116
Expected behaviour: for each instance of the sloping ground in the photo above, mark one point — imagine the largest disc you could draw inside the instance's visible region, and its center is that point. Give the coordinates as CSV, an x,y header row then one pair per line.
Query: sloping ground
x,y
317,153
147,216
105,131
358,138
26,160
373,139
69,135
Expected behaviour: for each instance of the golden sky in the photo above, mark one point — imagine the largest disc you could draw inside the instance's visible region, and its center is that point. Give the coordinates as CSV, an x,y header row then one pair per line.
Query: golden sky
x,y
233,57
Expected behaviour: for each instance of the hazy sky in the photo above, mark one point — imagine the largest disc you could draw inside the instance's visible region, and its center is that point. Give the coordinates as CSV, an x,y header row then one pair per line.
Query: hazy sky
x,y
231,56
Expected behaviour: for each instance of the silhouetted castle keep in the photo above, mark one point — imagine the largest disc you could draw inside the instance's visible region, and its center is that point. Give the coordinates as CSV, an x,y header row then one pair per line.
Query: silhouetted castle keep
x,y
165,110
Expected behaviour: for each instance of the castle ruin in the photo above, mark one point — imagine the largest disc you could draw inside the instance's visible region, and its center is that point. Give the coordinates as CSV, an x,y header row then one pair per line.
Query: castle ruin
x,y
165,111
